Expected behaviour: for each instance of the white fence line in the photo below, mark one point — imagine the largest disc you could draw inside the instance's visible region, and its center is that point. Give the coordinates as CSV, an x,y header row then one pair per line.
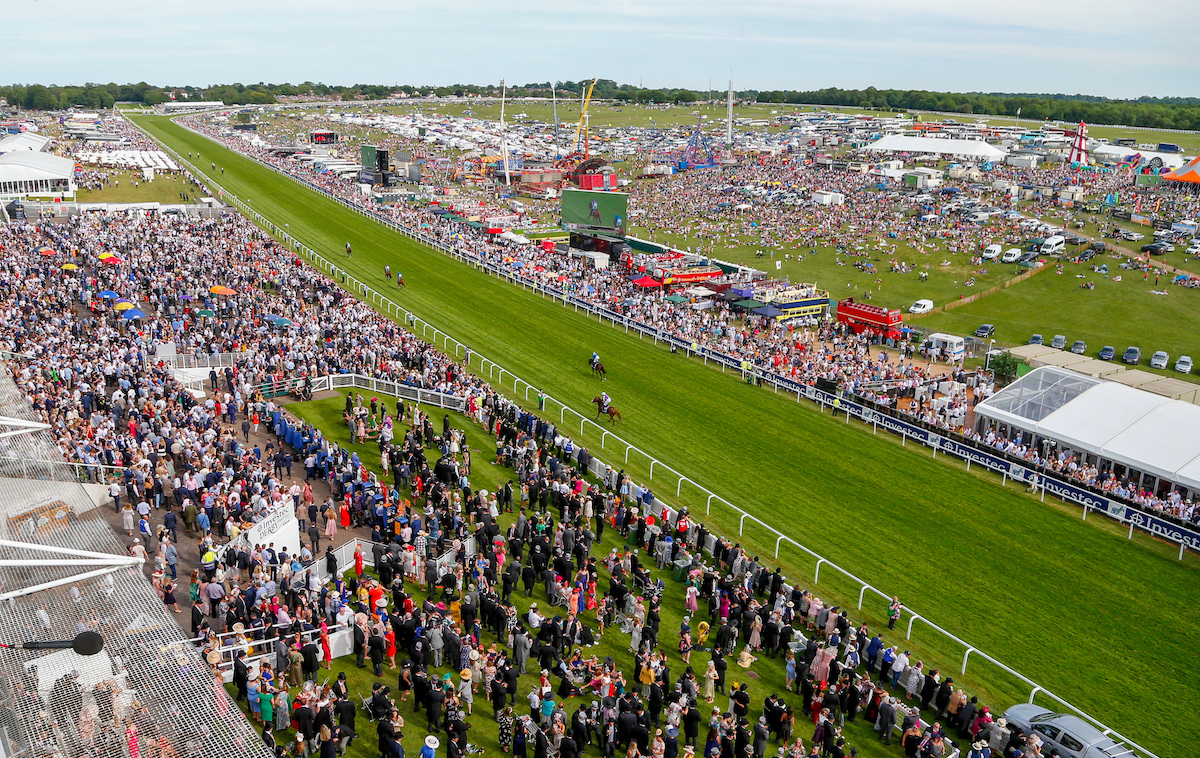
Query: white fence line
x,y
358,287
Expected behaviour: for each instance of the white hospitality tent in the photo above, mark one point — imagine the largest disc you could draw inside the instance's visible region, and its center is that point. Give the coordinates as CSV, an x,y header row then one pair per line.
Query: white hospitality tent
x,y
1136,433
960,148
27,141
23,172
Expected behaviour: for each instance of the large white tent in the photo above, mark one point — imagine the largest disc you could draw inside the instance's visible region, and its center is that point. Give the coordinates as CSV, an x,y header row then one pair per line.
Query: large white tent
x,y
28,173
27,141
962,148
1108,421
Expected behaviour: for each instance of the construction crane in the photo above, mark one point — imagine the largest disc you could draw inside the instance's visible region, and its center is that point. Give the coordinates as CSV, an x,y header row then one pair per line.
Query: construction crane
x,y
583,120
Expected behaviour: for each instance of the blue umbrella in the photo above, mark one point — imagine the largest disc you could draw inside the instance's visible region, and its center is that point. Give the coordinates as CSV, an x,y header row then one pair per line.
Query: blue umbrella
x,y
109,295
133,313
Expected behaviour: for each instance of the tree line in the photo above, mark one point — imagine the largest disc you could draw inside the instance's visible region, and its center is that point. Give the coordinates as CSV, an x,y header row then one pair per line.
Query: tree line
x,y
1161,113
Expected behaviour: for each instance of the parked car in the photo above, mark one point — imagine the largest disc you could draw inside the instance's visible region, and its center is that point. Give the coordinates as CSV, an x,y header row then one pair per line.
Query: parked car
x,y
985,331
1059,342
1071,736
1132,236
1036,340
1099,246
1132,355
1160,359
991,252
1184,364
1107,353
1157,248
1012,255
921,306
1079,348
1194,248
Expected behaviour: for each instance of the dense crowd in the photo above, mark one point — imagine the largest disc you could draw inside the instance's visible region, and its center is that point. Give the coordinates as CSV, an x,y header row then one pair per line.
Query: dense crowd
x,y
892,378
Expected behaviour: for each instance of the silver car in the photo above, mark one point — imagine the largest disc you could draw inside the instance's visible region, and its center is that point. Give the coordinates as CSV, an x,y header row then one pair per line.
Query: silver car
x,y
1160,360
1184,364
1070,735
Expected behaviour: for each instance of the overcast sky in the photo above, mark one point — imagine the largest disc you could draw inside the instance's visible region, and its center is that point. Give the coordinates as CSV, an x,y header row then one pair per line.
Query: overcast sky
x,y
1113,48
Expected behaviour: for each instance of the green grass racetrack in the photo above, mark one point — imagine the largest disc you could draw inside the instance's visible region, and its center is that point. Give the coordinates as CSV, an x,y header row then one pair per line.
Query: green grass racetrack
x,y
1107,623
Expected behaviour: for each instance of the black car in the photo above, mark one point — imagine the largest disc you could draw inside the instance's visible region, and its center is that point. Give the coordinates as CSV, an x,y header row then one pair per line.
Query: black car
x,y
985,331
1099,246
1156,248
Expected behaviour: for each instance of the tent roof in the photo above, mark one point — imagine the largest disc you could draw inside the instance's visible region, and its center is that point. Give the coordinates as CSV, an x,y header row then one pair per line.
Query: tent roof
x,y
1189,173
24,141
1126,425
23,166
896,143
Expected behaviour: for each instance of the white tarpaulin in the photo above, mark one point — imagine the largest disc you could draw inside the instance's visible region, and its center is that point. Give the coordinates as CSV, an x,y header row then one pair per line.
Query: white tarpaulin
x,y
967,148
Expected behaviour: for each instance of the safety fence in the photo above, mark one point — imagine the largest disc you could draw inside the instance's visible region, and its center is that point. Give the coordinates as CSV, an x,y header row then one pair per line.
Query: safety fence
x,y
955,445
825,400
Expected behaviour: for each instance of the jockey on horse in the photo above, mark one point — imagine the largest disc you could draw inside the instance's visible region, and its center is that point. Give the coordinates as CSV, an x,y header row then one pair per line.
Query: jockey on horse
x,y
596,366
605,401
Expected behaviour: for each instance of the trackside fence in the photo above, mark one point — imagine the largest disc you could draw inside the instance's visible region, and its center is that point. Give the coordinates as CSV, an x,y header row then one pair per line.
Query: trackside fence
x,y
522,389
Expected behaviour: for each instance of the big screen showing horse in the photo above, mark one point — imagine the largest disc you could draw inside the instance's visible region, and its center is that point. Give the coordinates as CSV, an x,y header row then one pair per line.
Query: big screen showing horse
x,y
584,209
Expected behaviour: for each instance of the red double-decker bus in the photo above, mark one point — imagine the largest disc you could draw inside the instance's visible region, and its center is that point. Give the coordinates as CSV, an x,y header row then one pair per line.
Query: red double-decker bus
x,y
861,317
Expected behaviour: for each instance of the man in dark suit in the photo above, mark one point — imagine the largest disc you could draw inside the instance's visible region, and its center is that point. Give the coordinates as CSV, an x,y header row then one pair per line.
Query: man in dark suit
x,y
887,720
345,712
241,674
377,648
387,735
360,645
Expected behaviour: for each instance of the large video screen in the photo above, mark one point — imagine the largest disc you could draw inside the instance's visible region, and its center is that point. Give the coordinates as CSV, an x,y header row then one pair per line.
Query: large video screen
x,y
585,209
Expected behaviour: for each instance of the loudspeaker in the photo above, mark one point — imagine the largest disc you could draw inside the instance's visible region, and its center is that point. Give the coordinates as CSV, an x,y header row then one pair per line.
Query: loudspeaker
x,y
827,385
381,160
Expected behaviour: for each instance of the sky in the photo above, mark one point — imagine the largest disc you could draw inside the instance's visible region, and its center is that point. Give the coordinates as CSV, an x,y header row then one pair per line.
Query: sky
x,y
1112,48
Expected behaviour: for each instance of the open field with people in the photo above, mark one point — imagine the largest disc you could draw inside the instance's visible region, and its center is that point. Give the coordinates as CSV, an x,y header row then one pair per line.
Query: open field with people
x,y
763,679
130,187
982,560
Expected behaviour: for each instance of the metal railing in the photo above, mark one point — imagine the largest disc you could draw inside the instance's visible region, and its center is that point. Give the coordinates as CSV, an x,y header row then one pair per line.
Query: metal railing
x,y
498,373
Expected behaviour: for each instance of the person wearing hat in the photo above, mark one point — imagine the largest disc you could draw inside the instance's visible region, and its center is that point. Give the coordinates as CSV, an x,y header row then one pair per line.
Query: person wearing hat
x,y
377,649
429,748
241,674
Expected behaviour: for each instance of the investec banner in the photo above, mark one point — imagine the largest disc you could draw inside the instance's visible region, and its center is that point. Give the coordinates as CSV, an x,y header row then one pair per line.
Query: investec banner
x,y
280,527
1071,493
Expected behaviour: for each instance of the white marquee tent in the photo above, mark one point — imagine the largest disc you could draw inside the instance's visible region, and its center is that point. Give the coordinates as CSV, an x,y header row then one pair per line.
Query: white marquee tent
x,y
964,148
1108,421
27,141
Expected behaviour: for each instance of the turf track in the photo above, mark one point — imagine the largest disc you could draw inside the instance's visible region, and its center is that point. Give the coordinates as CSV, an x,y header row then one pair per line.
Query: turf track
x,y
1107,623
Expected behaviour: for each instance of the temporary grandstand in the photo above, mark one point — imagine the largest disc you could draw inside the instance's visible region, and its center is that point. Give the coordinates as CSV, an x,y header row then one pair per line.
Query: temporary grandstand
x,y
956,148
62,572
1150,439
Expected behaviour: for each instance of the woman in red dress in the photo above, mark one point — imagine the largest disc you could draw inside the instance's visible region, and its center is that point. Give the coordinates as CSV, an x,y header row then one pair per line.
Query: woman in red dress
x,y
358,561
326,650
390,640
345,516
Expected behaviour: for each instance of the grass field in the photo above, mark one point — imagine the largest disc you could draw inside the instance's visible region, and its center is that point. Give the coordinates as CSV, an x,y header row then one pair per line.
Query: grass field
x,y
1072,604
164,189
327,414
614,644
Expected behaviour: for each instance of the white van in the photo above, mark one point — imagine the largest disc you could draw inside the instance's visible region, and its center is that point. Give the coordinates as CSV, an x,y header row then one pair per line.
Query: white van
x,y
947,347
1053,245
1012,256
991,252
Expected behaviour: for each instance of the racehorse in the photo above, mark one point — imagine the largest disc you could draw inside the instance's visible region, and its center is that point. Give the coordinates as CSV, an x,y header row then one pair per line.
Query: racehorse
x,y
614,415
598,368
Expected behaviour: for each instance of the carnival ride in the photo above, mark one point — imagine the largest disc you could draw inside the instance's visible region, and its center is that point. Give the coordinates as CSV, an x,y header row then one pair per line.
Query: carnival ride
x,y
580,160
697,154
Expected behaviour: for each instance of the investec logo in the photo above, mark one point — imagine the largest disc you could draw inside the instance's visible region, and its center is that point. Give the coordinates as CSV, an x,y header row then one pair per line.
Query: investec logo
x,y
1083,497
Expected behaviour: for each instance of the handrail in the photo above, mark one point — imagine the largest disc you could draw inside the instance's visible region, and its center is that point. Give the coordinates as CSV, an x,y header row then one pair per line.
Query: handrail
x,y
355,284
